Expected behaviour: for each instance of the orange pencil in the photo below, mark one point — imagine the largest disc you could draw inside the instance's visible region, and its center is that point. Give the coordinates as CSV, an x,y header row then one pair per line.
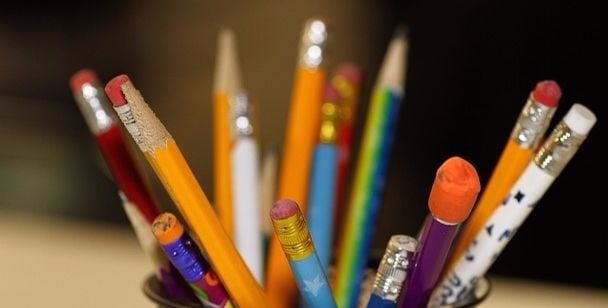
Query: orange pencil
x,y
227,82
529,130
300,139
171,167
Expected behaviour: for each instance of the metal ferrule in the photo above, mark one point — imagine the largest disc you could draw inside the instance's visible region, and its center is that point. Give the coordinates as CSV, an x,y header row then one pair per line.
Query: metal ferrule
x,y
393,268
95,108
329,122
313,42
347,92
241,115
559,148
532,124
294,237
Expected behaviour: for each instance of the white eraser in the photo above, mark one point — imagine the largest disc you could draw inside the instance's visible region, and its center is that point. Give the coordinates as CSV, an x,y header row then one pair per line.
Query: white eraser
x,y
580,119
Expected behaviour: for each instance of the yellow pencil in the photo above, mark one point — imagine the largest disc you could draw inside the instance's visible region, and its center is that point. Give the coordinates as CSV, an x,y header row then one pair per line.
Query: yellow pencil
x,y
227,82
529,130
170,166
301,136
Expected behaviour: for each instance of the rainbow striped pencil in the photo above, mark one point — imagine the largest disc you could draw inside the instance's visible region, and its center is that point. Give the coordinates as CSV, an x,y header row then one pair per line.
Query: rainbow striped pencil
x,y
370,173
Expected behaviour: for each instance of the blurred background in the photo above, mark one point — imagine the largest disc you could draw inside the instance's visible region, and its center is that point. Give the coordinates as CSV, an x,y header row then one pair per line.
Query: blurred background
x,y
472,65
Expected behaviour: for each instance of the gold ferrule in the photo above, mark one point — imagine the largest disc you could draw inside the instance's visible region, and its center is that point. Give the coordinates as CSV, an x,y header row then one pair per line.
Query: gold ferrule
x,y
347,92
241,115
329,122
313,44
294,237
394,265
558,149
532,124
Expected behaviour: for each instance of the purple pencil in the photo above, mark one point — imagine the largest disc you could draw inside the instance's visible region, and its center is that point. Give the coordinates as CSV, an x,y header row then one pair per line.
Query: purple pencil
x,y
452,197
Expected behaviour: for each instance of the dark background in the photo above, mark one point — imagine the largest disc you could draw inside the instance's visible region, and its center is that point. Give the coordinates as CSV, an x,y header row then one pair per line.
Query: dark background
x,y
471,66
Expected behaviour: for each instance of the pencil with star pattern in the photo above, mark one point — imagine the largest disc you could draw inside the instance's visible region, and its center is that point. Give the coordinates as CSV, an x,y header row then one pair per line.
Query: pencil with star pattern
x,y
547,164
292,233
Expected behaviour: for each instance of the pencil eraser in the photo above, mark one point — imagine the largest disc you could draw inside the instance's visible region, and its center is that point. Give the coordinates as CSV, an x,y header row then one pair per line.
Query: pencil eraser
x,y
167,228
454,191
580,119
114,90
82,77
284,208
547,92
350,72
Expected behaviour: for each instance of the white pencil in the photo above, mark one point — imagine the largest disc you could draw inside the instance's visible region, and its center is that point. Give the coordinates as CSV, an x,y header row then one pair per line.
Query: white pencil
x,y
547,164
245,188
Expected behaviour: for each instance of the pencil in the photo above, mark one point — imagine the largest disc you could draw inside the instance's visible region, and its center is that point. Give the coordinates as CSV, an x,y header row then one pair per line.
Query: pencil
x,y
186,257
347,79
392,271
323,179
101,120
171,280
117,153
529,130
541,172
300,138
298,246
245,189
450,202
370,172
166,159
227,81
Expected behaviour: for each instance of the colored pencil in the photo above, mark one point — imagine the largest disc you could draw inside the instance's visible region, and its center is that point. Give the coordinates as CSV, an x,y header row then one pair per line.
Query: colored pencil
x,y
166,159
300,138
347,79
541,172
186,257
298,246
450,202
392,271
323,180
101,120
245,190
370,172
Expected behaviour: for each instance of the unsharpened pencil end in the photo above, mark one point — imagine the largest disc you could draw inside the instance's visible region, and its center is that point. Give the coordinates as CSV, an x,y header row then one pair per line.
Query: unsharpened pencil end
x,y
580,119
167,228
454,191
82,77
284,208
114,90
547,92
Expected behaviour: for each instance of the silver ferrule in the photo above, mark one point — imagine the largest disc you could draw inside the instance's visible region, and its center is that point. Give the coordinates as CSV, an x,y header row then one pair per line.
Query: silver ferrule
x,y
95,108
532,124
241,115
558,149
392,271
313,43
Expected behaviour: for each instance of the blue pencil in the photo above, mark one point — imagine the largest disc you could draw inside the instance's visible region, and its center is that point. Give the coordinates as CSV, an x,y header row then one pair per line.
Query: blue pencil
x,y
292,232
323,173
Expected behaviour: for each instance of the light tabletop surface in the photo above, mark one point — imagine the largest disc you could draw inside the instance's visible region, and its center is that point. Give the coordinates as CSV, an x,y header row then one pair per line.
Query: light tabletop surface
x,y
52,262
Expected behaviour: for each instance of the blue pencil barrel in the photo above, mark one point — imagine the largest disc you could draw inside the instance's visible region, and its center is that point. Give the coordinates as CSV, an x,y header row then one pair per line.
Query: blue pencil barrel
x,y
321,200
312,282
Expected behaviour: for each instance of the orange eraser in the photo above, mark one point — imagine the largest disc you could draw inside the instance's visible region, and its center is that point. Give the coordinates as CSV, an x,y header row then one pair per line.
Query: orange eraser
x,y
167,228
454,191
